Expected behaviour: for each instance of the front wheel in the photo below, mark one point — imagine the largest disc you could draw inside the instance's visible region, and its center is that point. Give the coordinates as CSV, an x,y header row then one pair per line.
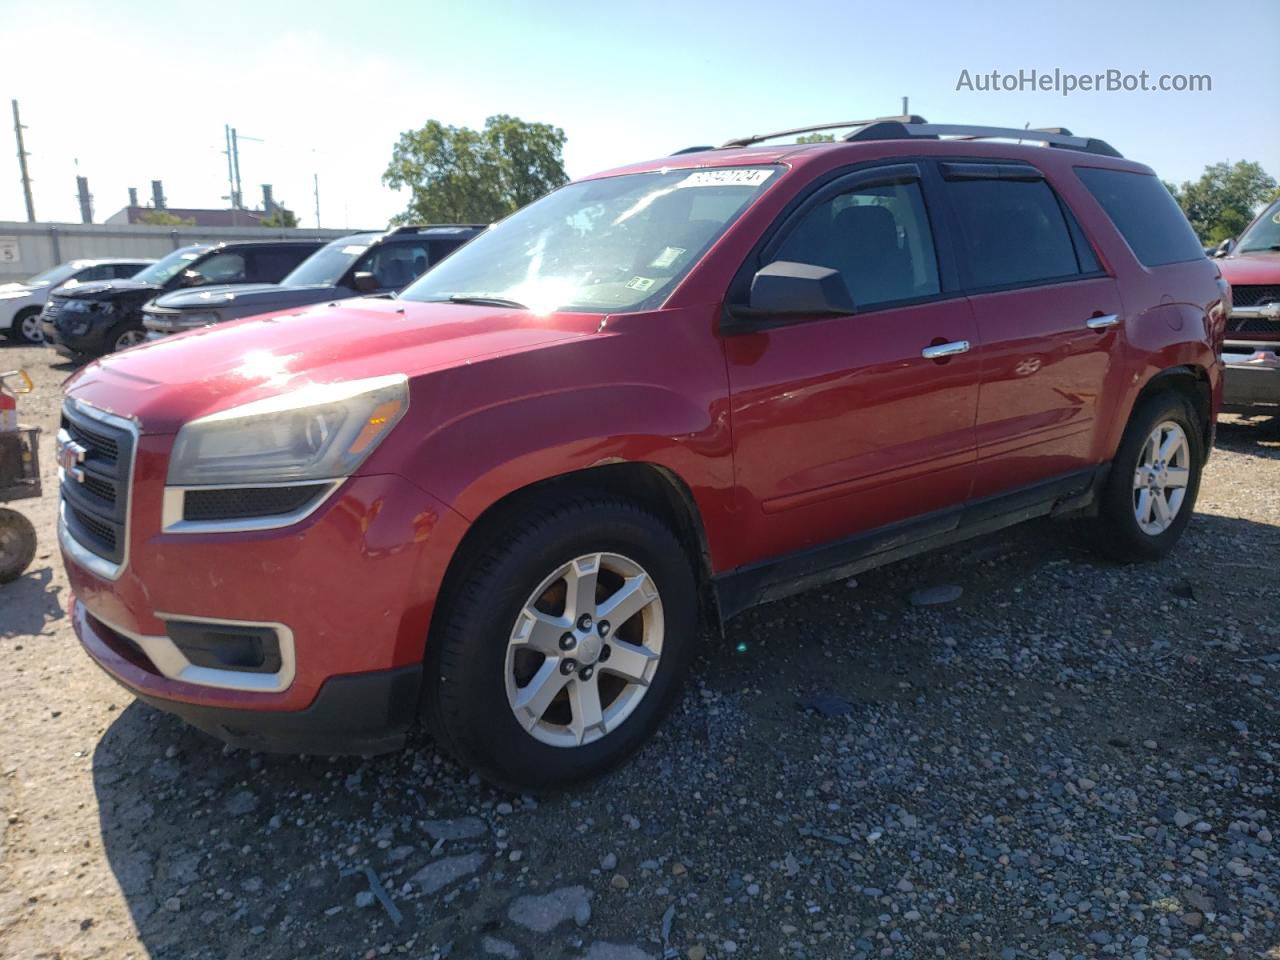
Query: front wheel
x,y
17,544
1155,477
564,644
125,335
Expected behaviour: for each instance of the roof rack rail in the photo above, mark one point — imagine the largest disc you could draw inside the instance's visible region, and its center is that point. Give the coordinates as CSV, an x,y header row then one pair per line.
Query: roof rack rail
x,y
760,137
900,129
425,227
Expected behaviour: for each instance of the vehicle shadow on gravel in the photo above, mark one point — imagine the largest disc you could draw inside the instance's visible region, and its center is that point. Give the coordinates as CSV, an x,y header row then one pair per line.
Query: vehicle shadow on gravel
x,y
30,604
998,735
1258,435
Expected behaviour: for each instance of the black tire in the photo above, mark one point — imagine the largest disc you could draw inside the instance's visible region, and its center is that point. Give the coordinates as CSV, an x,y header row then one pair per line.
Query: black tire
x,y
15,330
465,700
1117,533
17,544
111,342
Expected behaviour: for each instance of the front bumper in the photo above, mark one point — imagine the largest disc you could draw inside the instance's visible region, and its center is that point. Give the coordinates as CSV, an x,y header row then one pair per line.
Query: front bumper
x,y
361,714
348,591
1252,376
90,343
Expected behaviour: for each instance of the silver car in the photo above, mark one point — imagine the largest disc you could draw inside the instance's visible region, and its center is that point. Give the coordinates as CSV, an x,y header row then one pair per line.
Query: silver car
x,y
21,303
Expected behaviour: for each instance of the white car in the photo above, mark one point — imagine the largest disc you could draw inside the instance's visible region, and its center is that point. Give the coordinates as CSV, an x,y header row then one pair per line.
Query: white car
x,y
21,303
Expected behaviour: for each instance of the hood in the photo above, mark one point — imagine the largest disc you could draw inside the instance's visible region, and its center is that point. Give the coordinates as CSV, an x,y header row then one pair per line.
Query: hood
x,y
106,289
165,383
15,291
1261,268
246,298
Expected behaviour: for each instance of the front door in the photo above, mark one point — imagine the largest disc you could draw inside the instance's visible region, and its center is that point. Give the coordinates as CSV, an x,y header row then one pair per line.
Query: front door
x,y
842,424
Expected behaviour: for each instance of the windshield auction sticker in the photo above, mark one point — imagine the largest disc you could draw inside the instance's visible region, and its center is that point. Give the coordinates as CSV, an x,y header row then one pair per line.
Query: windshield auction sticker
x,y
731,177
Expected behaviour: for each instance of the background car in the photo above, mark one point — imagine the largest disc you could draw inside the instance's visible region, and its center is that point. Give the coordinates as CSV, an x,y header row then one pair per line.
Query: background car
x,y
21,303
1251,265
101,317
363,263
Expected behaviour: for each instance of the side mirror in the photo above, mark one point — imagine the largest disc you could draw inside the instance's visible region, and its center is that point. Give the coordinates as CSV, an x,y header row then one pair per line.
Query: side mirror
x,y
365,282
785,290
1225,247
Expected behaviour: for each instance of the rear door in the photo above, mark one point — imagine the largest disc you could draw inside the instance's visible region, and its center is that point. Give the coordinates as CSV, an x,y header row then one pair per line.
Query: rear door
x,y
841,424
1048,319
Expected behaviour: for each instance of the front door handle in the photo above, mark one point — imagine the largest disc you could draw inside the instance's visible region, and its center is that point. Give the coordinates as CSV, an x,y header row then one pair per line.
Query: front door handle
x,y
938,351
1101,323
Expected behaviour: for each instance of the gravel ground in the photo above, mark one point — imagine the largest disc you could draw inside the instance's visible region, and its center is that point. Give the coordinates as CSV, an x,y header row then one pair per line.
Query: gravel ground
x,y
1073,759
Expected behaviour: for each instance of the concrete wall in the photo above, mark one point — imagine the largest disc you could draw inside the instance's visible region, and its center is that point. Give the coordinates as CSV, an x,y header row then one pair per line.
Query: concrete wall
x,y
28,248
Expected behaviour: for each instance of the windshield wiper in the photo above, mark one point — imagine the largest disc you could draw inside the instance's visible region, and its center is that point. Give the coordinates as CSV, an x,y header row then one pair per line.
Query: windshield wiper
x,y
484,301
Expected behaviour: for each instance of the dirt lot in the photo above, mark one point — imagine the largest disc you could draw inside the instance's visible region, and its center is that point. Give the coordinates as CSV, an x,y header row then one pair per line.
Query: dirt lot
x,y
1073,759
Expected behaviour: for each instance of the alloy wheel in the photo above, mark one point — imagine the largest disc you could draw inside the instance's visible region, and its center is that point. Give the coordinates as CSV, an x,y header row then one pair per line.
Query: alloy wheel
x,y
130,338
30,328
1161,477
584,649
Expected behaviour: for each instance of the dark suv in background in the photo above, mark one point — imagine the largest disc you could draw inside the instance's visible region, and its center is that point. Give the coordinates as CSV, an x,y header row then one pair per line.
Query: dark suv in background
x,y
363,263
102,317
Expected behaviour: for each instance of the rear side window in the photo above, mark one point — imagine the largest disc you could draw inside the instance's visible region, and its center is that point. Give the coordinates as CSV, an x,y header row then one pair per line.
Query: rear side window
x,y
1013,232
270,265
1146,215
877,237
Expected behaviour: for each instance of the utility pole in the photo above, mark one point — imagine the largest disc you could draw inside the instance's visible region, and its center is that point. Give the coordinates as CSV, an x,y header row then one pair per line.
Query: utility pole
x,y
315,179
235,161
22,164
231,176
905,113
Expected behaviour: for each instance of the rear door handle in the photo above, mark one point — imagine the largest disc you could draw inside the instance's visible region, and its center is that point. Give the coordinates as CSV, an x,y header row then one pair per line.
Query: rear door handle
x,y
1101,323
941,350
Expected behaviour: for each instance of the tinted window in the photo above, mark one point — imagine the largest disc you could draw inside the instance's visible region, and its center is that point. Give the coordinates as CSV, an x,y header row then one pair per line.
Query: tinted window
x,y
124,271
224,267
271,265
1145,213
877,237
1012,232
395,265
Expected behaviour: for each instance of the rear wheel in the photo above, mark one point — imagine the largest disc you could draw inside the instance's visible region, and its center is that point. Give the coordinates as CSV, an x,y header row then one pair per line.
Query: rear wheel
x,y
26,327
17,544
1155,477
564,644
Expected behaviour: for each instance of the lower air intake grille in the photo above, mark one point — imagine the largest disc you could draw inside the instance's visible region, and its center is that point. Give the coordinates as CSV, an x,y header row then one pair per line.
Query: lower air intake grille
x,y
243,503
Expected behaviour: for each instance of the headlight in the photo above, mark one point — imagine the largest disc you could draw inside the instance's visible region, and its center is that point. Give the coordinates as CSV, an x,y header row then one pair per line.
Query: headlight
x,y
320,432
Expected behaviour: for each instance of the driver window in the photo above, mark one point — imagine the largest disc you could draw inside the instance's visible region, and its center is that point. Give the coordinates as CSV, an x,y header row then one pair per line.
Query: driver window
x,y
220,268
395,265
877,237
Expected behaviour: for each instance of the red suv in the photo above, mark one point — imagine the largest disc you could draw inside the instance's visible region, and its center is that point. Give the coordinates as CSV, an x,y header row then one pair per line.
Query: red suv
x,y
1252,348
512,503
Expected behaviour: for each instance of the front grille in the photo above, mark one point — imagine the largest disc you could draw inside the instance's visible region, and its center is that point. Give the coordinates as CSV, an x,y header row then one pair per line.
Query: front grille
x,y
96,507
242,503
1251,296
52,307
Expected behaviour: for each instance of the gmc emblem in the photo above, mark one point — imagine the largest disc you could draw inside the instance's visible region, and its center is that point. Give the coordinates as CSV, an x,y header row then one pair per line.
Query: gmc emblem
x,y
70,455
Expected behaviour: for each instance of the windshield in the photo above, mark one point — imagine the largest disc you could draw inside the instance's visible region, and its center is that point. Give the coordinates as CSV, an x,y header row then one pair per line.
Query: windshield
x,y
1264,234
621,243
53,275
326,266
160,271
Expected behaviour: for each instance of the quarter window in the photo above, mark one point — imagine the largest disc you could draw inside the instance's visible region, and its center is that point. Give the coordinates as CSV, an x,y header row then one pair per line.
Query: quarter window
x,y
877,237
1013,232
1145,213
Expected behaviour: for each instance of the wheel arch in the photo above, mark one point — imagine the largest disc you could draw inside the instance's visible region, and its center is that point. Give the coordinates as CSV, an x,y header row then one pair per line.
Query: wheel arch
x,y
1191,381
655,487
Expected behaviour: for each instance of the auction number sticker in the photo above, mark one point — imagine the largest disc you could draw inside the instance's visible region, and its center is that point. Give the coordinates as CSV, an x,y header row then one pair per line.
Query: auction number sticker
x,y
10,252
731,177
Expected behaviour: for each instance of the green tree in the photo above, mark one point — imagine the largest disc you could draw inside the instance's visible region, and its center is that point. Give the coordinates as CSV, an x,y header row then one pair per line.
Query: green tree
x,y
460,175
816,138
163,218
1221,203
281,216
